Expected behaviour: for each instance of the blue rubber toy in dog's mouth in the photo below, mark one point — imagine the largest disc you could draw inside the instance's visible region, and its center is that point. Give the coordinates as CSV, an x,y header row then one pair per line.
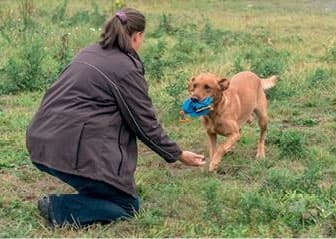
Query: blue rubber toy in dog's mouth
x,y
197,108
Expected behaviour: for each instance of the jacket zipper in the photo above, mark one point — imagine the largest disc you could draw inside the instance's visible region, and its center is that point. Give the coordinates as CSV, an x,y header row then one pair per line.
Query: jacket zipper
x,y
121,154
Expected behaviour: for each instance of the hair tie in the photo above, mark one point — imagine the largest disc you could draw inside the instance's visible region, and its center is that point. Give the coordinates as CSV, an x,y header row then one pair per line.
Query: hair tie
x,y
122,17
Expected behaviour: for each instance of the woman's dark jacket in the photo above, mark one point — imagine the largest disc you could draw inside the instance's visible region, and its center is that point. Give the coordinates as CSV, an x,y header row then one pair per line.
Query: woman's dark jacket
x,y
89,119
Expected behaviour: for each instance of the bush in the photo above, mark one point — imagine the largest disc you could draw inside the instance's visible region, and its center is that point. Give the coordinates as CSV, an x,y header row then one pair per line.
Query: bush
x,y
291,144
300,210
164,27
187,47
284,181
282,91
319,78
64,55
211,37
176,90
308,182
60,58
280,180
164,54
23,72
154,60
258,208
264,62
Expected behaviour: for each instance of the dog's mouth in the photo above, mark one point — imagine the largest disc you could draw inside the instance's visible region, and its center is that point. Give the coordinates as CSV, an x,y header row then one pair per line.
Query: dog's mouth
x,y
194,99
201,105
199,100
197,108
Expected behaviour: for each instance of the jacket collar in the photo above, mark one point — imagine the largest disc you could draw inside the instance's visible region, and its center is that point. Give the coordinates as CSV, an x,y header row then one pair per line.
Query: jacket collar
x,y
137,61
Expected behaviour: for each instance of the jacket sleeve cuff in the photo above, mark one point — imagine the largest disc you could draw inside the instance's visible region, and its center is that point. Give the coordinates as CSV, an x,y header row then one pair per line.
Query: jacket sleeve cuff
x,y
177,156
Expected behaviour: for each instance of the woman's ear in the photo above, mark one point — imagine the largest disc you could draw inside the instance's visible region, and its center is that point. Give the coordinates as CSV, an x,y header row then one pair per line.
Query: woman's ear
x,y
136,40
223,83
190,83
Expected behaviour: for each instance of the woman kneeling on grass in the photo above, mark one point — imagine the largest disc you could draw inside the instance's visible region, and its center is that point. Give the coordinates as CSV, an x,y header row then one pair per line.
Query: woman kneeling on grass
x,y
85,129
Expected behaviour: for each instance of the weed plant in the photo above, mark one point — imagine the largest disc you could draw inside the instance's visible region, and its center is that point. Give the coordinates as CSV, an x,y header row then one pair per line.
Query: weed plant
x,y
213,211
319,79
177,91
292,143
154,61
331,54
258,208
24,72
164,27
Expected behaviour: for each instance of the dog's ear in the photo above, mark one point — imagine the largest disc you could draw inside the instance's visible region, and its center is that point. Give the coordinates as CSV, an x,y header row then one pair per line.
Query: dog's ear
x,y
223,83
190,83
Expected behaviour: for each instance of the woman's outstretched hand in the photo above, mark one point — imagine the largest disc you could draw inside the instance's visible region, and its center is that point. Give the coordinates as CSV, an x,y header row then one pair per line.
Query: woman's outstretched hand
x,y
192,159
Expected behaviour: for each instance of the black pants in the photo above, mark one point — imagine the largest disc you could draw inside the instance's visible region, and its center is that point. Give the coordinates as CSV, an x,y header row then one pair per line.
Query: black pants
x,y
95,202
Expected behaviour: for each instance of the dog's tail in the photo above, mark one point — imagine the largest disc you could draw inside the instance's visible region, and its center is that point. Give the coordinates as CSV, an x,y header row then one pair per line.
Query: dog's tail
x,y
269,82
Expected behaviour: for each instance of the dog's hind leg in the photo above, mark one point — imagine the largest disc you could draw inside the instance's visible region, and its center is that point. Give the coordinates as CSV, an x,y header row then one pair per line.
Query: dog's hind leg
x,y
250,119
261,113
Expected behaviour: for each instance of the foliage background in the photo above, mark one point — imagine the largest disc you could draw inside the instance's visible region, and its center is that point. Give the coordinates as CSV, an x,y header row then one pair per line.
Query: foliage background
x,y
289,194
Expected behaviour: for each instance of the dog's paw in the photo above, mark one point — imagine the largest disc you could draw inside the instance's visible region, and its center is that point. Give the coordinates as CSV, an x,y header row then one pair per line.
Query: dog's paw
x,y
260,155
217,170
213,167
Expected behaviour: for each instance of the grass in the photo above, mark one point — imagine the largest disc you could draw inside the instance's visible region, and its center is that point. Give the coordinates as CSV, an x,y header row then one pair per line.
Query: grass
x,y
291,193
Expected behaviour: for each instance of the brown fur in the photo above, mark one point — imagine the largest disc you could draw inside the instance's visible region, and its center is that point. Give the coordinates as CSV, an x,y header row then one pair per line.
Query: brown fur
x,y
235,101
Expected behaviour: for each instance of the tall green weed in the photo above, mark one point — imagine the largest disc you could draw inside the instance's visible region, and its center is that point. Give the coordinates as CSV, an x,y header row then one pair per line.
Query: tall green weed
x,y
264,61
292,143
24,71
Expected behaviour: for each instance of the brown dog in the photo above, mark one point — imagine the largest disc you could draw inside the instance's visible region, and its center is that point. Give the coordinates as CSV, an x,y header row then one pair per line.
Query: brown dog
x,y
234,101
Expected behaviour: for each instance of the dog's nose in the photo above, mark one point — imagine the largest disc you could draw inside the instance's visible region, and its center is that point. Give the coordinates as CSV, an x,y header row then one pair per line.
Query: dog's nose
x,y
194,98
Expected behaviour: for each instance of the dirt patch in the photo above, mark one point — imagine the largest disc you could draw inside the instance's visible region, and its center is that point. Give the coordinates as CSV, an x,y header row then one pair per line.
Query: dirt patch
x,y
30,186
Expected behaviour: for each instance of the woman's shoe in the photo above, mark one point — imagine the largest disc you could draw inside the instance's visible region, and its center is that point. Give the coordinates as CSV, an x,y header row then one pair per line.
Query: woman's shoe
x,y
44,207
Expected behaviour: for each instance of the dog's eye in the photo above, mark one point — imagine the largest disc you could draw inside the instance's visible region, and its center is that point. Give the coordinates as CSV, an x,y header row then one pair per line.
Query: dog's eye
x,y
206,87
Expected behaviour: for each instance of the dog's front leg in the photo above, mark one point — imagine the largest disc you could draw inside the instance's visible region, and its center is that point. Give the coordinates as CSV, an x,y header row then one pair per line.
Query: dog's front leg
x,y
212,142
221,149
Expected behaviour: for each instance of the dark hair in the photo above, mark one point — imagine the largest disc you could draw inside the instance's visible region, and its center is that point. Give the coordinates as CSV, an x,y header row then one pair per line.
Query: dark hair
x,y
119,28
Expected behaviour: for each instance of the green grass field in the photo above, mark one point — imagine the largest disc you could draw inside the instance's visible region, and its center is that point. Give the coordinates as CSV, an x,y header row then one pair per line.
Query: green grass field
x,y
291,193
